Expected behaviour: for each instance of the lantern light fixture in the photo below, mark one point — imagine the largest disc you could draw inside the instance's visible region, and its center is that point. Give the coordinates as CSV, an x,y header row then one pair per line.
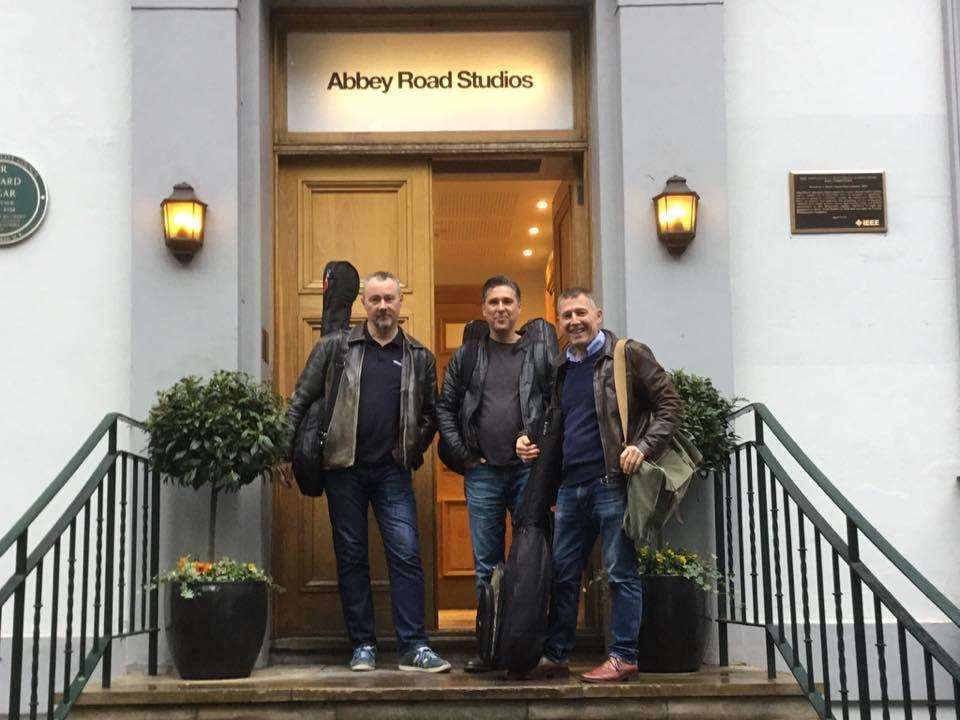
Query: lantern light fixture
x,y
184,217
676,214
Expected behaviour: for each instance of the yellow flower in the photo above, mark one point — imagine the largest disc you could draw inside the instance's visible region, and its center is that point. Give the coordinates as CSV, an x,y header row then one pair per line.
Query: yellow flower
x,y
682,560
251,567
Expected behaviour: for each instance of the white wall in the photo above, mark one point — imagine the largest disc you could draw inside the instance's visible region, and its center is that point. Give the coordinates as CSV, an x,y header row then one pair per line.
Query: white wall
x,y
850,340
64,293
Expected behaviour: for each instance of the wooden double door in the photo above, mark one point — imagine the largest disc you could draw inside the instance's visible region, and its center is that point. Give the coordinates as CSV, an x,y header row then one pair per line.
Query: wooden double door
x,y
375,212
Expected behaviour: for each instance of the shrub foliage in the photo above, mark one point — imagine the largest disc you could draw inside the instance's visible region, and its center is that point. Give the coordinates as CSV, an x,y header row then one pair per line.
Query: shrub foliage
x,y
705,418
225,432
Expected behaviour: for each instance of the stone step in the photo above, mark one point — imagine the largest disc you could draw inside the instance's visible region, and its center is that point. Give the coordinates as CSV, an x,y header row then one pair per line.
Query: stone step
x,y
331,692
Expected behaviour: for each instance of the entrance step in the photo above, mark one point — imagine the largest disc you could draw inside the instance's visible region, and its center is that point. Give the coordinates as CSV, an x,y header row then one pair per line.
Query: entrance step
x,y
334,693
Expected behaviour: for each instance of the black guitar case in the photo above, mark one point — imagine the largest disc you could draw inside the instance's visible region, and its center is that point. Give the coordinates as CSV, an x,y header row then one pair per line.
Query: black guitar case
x,y
341,283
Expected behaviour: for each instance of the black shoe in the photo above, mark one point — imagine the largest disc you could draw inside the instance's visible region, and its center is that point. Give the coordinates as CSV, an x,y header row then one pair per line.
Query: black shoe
x,y
476,665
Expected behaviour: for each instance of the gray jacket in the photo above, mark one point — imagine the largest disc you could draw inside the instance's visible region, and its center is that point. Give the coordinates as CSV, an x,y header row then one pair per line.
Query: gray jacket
x,y
418,395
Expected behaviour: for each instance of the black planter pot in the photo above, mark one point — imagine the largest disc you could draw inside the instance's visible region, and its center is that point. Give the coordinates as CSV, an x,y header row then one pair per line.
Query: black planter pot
x,y
217,634
673,632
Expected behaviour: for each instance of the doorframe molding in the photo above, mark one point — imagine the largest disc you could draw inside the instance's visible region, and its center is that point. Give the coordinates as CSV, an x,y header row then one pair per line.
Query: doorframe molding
x,y
572,18
362,147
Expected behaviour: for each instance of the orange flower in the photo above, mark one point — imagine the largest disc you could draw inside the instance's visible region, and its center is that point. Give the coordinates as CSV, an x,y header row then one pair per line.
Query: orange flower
x,y
204,567
182,564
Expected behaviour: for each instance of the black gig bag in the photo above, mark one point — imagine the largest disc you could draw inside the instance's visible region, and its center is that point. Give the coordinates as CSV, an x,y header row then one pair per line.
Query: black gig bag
x,y
528,572
341,283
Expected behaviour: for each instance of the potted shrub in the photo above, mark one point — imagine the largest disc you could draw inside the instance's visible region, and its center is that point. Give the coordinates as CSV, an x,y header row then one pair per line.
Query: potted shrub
x,y
675,624
222,434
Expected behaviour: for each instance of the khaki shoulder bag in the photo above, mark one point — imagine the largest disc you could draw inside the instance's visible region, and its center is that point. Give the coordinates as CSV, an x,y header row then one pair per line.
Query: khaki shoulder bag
x,y
655,490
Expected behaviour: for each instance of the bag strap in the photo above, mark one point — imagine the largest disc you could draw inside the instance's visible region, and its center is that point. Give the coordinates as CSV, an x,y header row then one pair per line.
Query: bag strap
x,y
470,352
338,364
620,383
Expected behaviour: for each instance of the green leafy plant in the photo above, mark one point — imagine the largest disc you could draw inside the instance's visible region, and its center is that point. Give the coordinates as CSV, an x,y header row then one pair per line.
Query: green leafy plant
x,y
670,561
706,418
192,574
225,433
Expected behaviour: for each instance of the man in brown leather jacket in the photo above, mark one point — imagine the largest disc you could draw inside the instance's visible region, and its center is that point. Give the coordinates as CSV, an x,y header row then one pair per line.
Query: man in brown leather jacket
x,y
383,421
596,462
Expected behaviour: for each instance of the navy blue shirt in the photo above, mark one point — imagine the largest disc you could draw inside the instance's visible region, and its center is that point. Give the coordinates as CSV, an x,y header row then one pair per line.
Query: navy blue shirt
x,y
582,447
378,416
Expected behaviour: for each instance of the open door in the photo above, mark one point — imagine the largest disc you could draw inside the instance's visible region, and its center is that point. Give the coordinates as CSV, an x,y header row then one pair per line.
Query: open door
x,y
571,236
376,214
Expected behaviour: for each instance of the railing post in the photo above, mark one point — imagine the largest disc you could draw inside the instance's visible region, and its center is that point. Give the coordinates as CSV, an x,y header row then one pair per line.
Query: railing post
x,y
154,570
16,651
764,546
721,568
108,575
859,637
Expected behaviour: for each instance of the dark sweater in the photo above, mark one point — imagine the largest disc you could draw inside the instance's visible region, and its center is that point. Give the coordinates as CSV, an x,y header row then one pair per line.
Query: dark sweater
x,y
582,447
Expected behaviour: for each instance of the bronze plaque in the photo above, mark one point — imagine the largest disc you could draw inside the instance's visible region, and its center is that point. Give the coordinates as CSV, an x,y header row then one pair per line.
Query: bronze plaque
x,y
853,202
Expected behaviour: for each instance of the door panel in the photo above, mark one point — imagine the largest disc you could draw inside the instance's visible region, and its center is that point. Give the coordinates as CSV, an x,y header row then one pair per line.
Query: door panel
x,y
570,236
376,214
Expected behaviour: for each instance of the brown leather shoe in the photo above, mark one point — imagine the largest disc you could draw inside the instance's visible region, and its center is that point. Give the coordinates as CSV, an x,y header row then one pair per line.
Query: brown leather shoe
x,y
612,670
546,669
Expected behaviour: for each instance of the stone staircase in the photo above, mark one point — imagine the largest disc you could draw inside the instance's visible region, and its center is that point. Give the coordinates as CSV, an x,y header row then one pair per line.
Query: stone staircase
x,y
331,692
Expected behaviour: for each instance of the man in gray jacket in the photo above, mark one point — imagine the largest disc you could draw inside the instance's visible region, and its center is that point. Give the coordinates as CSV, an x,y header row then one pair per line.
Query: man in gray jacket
x,y
383,421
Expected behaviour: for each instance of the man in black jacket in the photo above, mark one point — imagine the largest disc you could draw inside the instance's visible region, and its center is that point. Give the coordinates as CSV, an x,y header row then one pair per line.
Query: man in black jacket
x,y
383,421
480,418
596,462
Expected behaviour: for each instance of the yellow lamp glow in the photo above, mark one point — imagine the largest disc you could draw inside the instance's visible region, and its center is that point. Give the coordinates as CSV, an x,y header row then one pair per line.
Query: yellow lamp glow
x,y
184,217
676,212
528,252
534,230
542,205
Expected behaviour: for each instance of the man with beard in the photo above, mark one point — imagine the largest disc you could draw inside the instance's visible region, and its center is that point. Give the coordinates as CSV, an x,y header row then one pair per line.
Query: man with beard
x,y
383,421
596,463
480,418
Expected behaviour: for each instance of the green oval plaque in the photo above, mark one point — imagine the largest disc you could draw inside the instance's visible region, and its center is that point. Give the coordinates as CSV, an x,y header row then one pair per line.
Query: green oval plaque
x,y
23,199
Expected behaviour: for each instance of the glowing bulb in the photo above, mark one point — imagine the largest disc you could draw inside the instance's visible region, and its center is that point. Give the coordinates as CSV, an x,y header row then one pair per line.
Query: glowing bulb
x,y
542,205
534,230
528,252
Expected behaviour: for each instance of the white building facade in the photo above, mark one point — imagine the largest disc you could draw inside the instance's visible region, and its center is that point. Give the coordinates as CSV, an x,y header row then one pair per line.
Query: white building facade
x,y
852,340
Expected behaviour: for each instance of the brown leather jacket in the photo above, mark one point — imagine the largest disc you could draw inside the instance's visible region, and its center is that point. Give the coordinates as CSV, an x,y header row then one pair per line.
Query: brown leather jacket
x,y
418,398
652,391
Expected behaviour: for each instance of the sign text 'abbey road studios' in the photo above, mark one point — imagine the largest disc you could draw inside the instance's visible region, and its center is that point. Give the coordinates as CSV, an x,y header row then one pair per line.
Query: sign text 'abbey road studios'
x,y
443,81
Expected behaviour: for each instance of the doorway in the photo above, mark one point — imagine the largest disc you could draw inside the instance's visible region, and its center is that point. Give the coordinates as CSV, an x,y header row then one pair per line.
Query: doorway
x,y
442,225
481,228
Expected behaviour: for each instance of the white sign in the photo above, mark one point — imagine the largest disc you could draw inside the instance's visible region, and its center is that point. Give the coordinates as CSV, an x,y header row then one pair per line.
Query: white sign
x,y
431,81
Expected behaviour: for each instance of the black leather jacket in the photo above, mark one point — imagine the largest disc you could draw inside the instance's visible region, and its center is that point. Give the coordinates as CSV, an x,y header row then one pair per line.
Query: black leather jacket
x,y
457,421
418,396
652,392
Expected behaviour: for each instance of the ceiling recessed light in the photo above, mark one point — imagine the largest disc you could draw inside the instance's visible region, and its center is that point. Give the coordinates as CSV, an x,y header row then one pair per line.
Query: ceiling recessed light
x,y
543,205
534,230
528,252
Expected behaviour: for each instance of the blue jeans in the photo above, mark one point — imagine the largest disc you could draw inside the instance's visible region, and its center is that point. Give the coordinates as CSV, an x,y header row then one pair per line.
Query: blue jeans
x,y
389,489
584,512
490,493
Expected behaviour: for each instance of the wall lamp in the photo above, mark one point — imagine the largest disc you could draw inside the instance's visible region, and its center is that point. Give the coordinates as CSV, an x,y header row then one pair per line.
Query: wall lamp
x,y
676,209
184,217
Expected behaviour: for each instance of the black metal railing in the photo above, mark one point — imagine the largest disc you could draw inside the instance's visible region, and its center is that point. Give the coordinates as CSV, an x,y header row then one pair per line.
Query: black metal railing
x,y
113,527
757,496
